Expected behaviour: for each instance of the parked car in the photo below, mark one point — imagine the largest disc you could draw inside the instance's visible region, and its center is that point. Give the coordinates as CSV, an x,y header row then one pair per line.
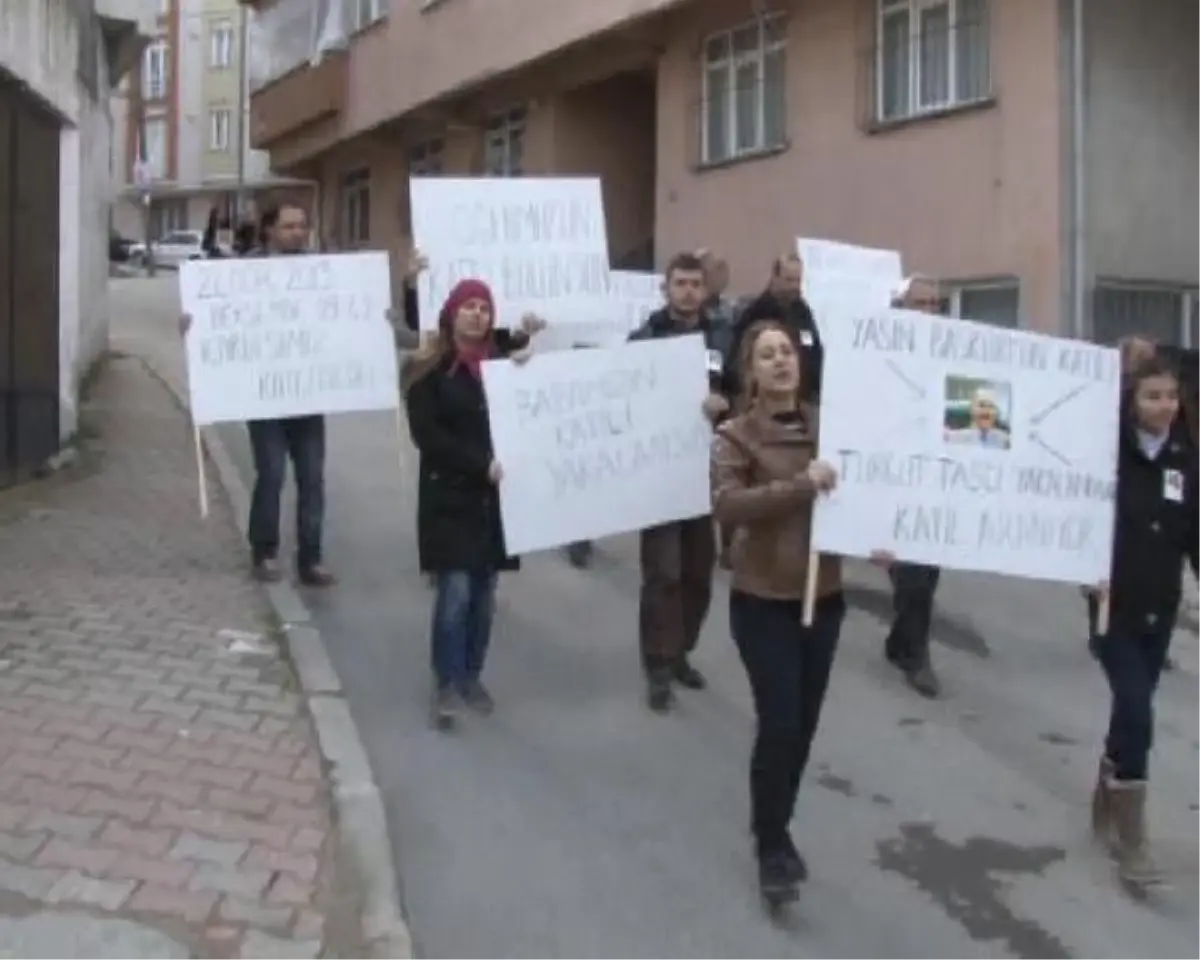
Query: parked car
x,y
123,249
178,246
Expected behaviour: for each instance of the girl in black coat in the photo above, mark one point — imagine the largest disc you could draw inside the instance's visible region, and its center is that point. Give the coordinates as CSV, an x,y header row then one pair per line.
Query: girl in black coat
x,y
1155,530
459,533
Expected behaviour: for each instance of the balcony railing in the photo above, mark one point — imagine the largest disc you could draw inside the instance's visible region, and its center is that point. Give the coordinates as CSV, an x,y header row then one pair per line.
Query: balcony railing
x,y
291,33
302,97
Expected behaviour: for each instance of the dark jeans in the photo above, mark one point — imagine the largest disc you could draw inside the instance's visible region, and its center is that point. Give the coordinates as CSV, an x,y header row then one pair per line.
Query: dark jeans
x,y
1133,662
677,568
273,442
788,665
462,625
913,587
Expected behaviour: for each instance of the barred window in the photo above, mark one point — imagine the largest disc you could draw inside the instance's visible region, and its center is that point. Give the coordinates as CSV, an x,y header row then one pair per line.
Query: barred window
x,y
930,55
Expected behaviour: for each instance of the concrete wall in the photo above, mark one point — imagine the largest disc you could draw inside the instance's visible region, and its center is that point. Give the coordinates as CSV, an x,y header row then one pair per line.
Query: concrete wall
x,y
967,196
1142,135
39,43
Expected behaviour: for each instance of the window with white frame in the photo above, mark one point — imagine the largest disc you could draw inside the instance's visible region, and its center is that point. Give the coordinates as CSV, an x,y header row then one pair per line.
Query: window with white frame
x,y
1163,312
356,208
997,302
930,55
427,159
504,144
743,109
155,71
154,148
220,124
220,45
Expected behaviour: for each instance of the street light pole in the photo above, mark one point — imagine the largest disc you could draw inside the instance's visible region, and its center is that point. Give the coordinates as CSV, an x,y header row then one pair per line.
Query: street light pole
x,y
142,174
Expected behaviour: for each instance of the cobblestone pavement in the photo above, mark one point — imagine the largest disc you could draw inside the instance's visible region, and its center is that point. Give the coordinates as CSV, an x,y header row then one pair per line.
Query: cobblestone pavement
x,y
160,786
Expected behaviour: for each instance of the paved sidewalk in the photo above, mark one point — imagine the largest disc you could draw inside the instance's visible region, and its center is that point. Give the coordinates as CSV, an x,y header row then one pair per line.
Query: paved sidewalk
x,y
161,790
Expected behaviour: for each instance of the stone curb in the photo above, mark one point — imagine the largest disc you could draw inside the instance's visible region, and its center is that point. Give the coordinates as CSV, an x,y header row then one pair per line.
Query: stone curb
x,y
362,822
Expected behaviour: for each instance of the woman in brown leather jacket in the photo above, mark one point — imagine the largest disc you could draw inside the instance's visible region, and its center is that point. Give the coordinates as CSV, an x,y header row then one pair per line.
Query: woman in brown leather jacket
x,y
765,477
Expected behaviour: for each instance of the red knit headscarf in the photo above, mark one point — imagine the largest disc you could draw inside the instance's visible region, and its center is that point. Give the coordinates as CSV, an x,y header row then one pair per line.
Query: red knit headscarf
x,y
468,355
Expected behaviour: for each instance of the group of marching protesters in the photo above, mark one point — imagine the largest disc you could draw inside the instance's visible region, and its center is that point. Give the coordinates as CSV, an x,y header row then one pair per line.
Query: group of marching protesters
x,y
765,366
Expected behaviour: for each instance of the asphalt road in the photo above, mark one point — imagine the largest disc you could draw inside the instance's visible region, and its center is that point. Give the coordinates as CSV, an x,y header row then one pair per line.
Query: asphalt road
x,y
574,823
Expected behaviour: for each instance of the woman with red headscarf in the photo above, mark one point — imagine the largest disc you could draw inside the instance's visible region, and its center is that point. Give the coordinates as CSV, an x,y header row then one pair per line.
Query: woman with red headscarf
x,y
459,534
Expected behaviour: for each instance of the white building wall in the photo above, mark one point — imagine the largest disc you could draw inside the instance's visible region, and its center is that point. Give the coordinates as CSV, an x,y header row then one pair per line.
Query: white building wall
x,y
39,43
193,124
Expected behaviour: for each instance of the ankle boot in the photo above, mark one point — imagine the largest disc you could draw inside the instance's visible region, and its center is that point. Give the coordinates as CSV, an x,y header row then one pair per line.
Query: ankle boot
x,y
1134,863
1102,803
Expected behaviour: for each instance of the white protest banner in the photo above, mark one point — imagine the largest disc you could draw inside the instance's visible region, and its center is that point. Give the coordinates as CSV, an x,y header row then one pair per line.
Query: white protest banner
x,y
637,294
841,276
967,446
289,335
632,297
540,243
599,442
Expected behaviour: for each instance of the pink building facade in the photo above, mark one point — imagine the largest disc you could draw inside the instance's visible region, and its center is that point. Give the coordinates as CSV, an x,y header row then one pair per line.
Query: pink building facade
x,y
1037,156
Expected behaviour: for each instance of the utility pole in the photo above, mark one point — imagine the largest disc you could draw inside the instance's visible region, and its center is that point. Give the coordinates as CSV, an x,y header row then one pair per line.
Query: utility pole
x,y
243,140
142,173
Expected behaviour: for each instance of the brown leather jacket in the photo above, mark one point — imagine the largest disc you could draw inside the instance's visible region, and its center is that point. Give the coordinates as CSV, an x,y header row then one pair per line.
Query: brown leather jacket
x,y
761,493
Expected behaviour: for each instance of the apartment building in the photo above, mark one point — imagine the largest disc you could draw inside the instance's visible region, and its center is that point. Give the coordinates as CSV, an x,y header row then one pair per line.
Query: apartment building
x,y
184,119
58,61
1038,156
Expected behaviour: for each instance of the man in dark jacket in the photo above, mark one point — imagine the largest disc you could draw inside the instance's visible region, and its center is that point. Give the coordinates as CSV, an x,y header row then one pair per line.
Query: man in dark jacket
x,y
677,558
783,296
914,585
284,230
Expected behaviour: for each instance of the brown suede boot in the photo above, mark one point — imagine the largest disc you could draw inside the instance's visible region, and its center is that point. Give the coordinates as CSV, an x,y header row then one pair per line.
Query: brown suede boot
x,y
1134,863
1102,803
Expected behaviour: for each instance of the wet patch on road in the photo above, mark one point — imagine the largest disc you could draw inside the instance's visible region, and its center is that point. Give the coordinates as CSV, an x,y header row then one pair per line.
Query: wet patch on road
x,y
958,634
14,612
837,784
881,800
910,722
961,880
1058,739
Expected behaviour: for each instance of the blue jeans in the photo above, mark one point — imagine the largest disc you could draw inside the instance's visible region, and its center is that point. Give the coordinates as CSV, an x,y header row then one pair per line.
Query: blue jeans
x,y
273,442
1133,662
462,625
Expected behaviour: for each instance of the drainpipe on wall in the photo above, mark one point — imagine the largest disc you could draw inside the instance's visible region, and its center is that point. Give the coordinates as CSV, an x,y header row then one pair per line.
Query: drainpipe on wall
x,y
243,139
1080,279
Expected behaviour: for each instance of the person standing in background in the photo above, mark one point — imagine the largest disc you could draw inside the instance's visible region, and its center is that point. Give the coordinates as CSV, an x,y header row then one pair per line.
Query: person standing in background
x,y
719,308
784,295
914,584
208,242
460,536
677,559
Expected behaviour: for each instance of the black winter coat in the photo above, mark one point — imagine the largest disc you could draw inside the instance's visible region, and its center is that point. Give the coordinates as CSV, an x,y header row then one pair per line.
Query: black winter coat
x,y
458,507
716,332
803,325
1156,529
